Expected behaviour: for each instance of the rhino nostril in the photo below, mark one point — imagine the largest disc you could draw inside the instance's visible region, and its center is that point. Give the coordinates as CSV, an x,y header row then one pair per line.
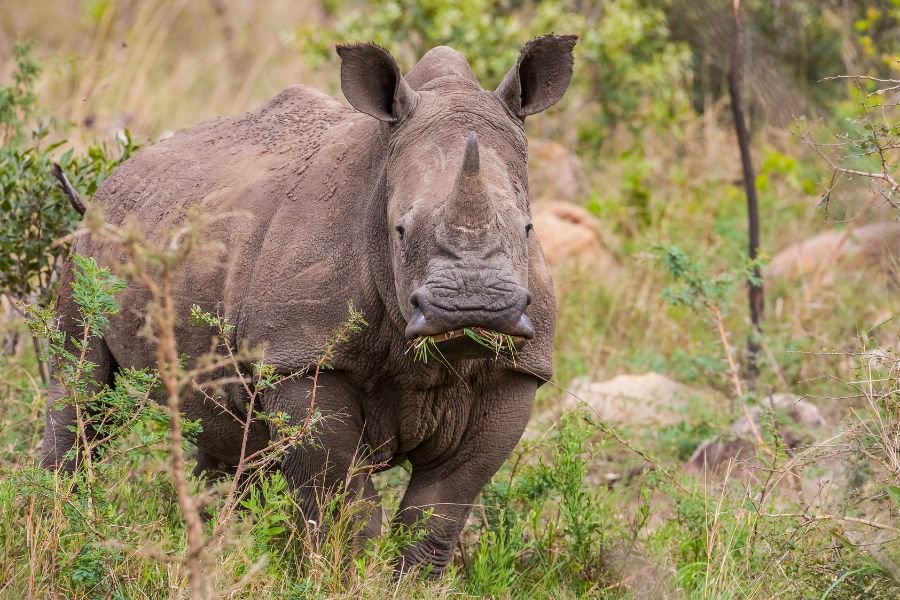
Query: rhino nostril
x,y
527,298
414,299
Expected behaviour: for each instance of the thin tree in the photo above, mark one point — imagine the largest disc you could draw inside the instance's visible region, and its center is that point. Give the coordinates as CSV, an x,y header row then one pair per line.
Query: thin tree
x,y
755,286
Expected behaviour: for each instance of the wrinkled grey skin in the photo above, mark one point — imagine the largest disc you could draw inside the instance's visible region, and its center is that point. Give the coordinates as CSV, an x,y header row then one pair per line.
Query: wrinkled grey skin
x,y
414,207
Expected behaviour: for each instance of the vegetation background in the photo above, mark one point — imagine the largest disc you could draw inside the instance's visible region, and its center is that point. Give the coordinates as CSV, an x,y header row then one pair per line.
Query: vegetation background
x,y
657,464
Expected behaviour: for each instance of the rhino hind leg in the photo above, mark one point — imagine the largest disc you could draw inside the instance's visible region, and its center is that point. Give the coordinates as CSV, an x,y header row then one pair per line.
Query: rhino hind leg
x,y
60,429
61,423
334,462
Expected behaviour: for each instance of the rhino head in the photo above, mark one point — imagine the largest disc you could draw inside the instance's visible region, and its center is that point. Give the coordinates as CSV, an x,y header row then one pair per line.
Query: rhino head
x,y
457,179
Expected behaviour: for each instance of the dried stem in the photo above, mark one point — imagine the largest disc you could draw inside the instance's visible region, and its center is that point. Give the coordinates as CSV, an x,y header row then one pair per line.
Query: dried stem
x,y
162,313
810,518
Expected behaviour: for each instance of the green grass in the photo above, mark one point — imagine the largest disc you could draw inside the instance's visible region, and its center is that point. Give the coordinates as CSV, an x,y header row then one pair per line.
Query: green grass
x,y
424,347
498,343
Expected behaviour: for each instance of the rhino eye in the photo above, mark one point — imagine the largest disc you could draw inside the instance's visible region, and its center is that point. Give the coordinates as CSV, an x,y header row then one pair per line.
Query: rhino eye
x,y
400,230
528,229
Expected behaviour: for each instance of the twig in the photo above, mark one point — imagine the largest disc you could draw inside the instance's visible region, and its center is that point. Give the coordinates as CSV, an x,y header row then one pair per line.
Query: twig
x,y
866,77
810,518
71,193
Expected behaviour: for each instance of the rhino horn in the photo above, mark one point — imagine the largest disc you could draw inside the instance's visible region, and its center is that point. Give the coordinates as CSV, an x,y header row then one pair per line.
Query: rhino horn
x,y
469,205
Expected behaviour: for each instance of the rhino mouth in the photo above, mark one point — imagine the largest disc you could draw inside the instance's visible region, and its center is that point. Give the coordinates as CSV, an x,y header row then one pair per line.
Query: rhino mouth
x,y
469,334
468,342
421,325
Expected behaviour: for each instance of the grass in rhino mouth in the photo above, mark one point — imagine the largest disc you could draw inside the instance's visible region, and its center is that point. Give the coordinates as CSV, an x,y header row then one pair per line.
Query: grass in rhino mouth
x,y
426,347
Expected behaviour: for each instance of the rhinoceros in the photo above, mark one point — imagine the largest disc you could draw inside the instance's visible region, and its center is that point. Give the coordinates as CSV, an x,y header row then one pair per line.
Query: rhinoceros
x,y
412,205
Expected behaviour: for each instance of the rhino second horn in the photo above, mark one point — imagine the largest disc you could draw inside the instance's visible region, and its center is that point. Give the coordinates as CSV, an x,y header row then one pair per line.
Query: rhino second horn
x,y
469,204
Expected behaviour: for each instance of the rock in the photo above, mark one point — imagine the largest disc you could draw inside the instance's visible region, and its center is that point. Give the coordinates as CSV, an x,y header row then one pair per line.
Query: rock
x,y
569,234
876,245
714,454
553,173
649,399
798,410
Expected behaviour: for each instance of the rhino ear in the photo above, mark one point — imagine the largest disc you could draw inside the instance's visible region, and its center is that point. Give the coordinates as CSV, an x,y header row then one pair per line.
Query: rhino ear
x,y
371,82
540,76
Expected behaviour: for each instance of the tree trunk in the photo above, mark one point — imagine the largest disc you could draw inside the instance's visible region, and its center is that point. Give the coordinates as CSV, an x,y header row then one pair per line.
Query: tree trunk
x,y
755,287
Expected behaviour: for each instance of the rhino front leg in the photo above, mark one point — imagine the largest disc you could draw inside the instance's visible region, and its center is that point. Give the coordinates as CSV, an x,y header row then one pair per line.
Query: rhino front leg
x,y
329,462
448,489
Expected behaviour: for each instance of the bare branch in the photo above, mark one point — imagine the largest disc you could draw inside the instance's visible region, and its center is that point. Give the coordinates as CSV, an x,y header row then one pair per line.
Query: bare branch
x,y
70,191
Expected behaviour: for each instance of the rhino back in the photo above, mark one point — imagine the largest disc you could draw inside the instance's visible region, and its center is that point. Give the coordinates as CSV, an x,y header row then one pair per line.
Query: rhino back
x,y
286,190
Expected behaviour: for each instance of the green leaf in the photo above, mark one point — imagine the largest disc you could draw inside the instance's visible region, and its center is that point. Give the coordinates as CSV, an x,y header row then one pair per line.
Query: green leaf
x,y
893,492
66,158
54,146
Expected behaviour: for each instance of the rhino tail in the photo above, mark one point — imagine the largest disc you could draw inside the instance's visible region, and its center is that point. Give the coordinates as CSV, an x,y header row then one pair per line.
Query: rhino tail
x,y
70,191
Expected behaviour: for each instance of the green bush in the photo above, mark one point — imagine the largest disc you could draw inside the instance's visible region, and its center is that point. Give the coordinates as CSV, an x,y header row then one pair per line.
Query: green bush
x,y
627,70
37,215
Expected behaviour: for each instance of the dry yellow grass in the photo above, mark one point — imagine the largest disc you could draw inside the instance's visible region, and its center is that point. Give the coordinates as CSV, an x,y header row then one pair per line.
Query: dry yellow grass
x,y
158,65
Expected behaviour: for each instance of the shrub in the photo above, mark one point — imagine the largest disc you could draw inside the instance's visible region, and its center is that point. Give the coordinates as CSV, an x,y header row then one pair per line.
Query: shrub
x,y
627,71
37,215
